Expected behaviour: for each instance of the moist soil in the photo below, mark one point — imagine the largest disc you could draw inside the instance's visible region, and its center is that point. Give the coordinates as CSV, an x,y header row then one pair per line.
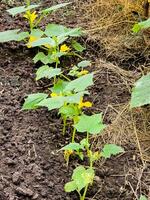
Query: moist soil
x,y
30,165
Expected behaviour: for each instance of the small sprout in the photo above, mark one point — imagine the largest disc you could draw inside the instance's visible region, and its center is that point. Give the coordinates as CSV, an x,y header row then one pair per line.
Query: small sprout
x,y
81,179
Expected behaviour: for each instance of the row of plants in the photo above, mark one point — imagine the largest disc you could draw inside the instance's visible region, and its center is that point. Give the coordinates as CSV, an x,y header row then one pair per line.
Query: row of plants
x,y
69,87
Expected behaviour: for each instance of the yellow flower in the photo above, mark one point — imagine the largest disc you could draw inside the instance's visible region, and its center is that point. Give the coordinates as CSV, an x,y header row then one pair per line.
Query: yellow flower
x,y
83,72
31,39
82,104
30,16
53,94
64,48
67,154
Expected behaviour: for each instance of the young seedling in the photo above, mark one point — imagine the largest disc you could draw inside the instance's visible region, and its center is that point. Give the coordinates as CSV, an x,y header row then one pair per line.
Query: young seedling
x,y
82,177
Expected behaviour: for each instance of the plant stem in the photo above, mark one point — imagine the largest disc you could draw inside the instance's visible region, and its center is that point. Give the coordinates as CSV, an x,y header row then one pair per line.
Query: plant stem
x,y
84,194
64,126
65,77
73,135
55,76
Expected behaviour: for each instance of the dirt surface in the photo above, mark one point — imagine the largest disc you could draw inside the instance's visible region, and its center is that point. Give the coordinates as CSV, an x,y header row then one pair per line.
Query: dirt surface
x,y
30,165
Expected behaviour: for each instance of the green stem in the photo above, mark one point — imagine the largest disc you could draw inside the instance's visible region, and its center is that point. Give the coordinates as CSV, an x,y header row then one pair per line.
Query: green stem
x,y
65,77
64,126
39,20
84,194
75,54
55,76
28,3
73,135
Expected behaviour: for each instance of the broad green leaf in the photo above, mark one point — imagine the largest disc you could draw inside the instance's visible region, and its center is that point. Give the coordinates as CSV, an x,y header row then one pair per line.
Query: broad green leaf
x,y
142,197
22,36
72,146
53,103
82,177
21,9
37,33
61,31
80,84
141,25
141,92
45,59
84,63
9,35
78,177
43,41
59,101
77,46
59,86
111,149
31,102
70,187
47,72
69,111
55,30
92,124
56,7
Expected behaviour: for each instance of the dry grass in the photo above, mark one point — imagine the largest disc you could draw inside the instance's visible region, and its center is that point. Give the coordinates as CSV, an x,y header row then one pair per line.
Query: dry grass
x,y
111,22
128,126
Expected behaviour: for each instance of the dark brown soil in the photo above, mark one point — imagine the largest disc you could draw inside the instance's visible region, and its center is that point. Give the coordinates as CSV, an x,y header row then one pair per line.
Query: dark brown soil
x,y
30,165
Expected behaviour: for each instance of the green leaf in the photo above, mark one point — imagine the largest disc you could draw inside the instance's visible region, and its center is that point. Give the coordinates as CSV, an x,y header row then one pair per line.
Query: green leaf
x,y
80,84
84,63
59,86
56,7
141,25
36,33
21,9
9,35
47,72
52,103
72,146
61,31
59,101
69,111
141,92
41,57
22,36
111,149
84,143
91,124
77,46
142,197
70,187
43,41
31,102
82,177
